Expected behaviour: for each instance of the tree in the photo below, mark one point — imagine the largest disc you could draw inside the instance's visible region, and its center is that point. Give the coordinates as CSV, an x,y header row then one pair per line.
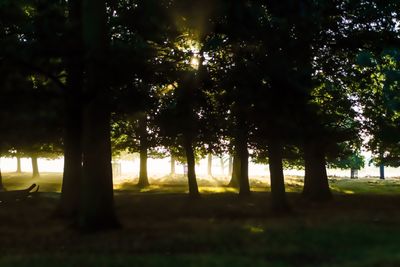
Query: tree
x,y
1,182
373,36
97,210
352,160
72,176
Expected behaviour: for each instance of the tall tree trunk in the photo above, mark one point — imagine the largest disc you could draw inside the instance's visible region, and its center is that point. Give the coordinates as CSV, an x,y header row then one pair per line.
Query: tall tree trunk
x,y
143,178
278,194
242,153
353,174
382,171
193,188
97,212
230,165
18,165
316,186
172,173
244,183
72,175
1,182
209,164
35,167
222,165
234,182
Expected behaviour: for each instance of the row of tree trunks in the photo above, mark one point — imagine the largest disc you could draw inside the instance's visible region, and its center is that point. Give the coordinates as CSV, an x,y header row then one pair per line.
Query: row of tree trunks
x,y
316,186
35,166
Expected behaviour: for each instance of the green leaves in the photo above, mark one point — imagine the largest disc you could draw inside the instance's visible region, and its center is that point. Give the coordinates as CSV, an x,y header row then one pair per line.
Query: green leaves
x,y
365,59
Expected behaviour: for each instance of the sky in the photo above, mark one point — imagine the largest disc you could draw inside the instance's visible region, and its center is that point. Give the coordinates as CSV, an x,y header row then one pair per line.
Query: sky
x,y
158,168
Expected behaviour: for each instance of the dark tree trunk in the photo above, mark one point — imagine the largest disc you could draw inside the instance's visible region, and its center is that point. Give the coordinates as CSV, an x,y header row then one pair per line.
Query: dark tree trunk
x,y
278,194
244,174
1,182
35,167
72,176
97,212
172,166
382,171
234,182
19,165
193,188
353,174
316,186
243,156
143,178
209,164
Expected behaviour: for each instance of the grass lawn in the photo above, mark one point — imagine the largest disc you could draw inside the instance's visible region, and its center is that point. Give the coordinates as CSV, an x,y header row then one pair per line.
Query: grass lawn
x,y
162,227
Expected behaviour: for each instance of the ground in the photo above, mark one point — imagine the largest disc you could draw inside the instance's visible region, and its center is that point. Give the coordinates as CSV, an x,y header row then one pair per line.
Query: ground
x,y
163,227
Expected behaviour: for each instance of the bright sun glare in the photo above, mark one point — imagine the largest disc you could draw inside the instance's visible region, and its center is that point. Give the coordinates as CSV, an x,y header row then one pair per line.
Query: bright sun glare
x,y
195,62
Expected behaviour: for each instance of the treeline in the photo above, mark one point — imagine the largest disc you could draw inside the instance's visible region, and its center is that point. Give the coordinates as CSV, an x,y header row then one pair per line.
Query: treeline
x,y
288,83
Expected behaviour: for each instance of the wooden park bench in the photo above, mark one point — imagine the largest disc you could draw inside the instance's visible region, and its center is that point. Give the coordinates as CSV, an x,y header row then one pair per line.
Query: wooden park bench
x,y
17,195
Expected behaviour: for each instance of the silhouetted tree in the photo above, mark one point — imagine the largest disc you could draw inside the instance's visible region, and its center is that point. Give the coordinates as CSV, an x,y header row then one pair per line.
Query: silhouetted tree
x,y
97,210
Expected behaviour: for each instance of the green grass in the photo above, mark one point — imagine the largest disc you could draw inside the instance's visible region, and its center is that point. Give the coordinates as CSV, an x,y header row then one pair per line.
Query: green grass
x,y
163,227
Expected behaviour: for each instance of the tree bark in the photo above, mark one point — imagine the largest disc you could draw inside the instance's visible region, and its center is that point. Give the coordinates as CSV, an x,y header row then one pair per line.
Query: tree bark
x,y
97,212
1,182
242,153
353,174
234,182
18,165
382,171
72,175
230,165
244,173
35,167
193,188
143,178
222,165
172,173
209,164
316,186
278,194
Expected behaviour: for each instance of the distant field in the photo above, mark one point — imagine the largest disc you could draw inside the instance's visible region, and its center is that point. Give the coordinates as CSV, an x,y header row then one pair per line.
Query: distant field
x,y
163,227
51,182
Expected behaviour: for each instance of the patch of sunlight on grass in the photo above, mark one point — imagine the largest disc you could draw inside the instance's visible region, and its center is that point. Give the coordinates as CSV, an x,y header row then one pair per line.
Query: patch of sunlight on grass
x,y
254,229
121,183
337,189
149,188
216,190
